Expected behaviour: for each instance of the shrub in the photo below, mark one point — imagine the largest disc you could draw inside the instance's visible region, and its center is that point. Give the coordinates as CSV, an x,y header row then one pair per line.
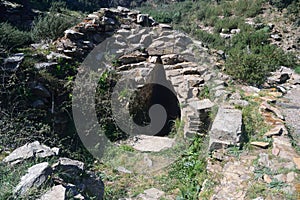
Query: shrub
x,y
247,8
294,12
11,37
106,120
51,26
251,57
213,40
250,39
297,70
280,4
205,11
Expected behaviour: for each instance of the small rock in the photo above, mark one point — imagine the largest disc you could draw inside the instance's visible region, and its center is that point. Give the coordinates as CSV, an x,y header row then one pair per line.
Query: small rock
x,y
68,163
225,35
73,35
221,53
135,57
145,20
250,90
123,9
171,59
165,26
258,198
199,105
108,21
35,177
79,196
280,177
147,161
155,60
297,162
261,144
235,31
12,63
276,111
54,56
57,192
282,89
242,103
275,151
45,65
264,160
151,194
274,131
123,170
276,37
267,178
290,177
271,26
152,143
259,26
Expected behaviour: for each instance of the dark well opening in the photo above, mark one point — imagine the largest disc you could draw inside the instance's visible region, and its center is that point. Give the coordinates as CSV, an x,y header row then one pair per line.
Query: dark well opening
x,y
157,90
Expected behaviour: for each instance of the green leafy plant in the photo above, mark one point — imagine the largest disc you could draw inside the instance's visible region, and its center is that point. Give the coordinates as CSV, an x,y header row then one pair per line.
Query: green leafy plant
x,y
53,24
11,37
190,170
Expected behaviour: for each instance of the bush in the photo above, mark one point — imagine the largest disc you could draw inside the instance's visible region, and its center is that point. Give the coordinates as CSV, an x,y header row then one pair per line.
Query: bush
x,y
294,12
213,40
106,120
249,39
280,4
51,26
11,37
206,11
251,58
247,8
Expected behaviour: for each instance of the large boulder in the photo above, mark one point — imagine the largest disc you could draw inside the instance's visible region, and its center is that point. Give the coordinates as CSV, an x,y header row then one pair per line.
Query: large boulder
x,y
35,177
30,150
226,129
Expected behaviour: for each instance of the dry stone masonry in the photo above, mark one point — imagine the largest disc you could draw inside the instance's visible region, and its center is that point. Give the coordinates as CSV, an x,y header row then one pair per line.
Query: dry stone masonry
x,y
150,51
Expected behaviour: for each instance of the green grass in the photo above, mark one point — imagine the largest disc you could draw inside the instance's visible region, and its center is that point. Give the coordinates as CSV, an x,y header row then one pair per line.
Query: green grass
x,y
190,170
10,176
254,124
297,70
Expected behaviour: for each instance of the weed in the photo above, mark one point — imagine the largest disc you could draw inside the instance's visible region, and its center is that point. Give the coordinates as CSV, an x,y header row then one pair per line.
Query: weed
x,y
297,70
190,171
254,124
275,184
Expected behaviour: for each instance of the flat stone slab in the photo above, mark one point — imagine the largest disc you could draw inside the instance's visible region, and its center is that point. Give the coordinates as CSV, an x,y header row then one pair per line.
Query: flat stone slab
x,y
226,128
147,143
35,177
261,144
201,104
151,194
34,149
